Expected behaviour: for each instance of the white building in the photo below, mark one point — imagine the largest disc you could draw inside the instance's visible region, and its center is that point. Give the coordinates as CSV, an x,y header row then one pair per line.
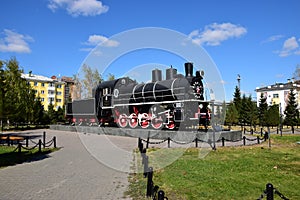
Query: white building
x,y
279,93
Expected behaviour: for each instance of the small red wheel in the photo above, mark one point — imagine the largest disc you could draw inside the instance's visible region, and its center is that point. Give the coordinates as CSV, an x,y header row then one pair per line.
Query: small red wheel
x,y
122,121
133,120
157,123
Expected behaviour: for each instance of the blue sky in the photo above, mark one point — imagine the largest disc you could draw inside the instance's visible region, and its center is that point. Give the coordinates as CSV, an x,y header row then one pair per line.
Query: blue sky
x,y
258,39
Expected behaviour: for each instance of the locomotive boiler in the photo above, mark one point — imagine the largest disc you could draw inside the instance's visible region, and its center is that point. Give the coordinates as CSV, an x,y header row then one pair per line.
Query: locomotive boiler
x,y
171,103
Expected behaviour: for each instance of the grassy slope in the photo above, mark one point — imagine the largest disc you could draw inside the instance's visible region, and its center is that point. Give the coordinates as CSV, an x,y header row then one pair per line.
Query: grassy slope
x,y
229,172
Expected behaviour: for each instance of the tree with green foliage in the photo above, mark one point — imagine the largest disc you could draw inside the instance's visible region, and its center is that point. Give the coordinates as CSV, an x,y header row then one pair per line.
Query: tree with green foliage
x,y
17,97
262,110
91,78
272,116
237,100
291,112
232,115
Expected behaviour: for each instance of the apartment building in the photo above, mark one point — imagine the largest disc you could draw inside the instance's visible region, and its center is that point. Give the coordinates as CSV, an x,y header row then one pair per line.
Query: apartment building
x,y
50,90
278,93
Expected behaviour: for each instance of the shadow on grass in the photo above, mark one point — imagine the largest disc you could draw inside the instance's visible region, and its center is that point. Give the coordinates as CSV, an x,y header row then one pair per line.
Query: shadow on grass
x,y
13,158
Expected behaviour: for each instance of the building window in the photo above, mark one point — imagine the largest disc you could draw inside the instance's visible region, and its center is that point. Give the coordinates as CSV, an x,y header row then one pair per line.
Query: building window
x,y
58,93
42,92
275,95
59,86
51,85
35,83
58,100
42,99
43,84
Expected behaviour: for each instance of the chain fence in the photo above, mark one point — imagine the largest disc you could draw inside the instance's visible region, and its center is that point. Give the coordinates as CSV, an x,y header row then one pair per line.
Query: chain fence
x,y
222,140
19,140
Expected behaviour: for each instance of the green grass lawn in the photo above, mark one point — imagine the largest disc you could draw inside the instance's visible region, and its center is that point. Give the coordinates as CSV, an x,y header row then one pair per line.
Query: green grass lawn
x,y
228,172
9,158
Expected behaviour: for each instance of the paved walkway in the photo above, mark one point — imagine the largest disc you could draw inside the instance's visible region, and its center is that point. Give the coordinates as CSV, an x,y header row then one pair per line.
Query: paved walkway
x,y
74,172
89,166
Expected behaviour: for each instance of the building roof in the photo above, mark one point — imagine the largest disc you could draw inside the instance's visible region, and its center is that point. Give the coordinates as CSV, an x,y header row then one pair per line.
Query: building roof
x,y
34,77
279,86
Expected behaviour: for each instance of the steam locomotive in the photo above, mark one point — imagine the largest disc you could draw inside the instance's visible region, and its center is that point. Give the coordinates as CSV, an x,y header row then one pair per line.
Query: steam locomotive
x,y
176,101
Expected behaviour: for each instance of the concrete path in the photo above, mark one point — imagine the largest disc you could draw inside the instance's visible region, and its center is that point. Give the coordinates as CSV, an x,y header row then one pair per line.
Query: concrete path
x,y
74,172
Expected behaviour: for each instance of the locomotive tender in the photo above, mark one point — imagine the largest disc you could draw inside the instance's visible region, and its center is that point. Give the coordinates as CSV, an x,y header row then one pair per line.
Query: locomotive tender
x,y
176,101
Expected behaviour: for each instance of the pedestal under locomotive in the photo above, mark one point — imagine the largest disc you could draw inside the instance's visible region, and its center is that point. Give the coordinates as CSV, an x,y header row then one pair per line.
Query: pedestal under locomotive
x,y
171,103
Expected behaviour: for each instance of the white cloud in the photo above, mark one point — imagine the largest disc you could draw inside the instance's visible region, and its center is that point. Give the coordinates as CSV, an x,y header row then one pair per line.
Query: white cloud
x,y
95,40
273,38
290,46
214,34
79,7
15,42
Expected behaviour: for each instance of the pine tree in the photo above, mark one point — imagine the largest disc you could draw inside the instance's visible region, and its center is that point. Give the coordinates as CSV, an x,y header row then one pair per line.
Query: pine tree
x,y
262,110
291,112
232,115
272,116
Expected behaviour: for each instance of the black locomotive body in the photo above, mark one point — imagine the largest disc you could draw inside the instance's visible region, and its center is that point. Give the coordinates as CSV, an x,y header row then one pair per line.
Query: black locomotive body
x,y
169,103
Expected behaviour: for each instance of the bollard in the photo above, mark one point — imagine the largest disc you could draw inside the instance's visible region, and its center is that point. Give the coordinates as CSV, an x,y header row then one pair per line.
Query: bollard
x,y
169,139
140,145
251,131
261,132
27,138
54,142
146,166
244,140
258,140
147,144
19,147
196,142
8,140
269,191
160,195
40,146
44,139
149,182
277,130
223,141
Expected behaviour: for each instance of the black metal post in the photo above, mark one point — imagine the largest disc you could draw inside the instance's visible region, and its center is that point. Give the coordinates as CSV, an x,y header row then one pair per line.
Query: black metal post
x,y
269,191
149,182
27,138
258,140
147,144
244,140
160,195
19,147
169,139
146,166
44,139
196,142
54,142
40,145
8,140
261,132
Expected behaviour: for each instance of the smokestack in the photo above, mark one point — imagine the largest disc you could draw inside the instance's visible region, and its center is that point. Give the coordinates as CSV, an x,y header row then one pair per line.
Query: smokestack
x,y
188,69
171,73
156,75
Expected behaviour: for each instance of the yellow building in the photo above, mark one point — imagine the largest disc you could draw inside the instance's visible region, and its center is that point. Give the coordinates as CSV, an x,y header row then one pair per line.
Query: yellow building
x,y
50,90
